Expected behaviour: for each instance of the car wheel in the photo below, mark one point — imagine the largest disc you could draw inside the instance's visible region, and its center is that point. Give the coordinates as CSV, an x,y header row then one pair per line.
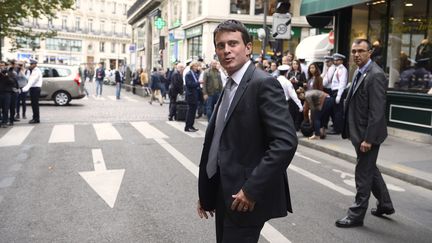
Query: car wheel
x,y
61,98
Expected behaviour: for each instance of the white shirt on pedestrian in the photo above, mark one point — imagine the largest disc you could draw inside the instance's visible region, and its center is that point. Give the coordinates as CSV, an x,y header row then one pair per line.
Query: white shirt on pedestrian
x,y
34,80
327,76
340,79
289,91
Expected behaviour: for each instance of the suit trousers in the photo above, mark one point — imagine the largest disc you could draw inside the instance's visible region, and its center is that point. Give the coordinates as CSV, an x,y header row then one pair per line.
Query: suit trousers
x,y
368,178
190,115
172,106
227,231
34,97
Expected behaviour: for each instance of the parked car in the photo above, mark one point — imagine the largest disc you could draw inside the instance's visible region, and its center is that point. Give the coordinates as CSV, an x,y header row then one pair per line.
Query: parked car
x,y
61,83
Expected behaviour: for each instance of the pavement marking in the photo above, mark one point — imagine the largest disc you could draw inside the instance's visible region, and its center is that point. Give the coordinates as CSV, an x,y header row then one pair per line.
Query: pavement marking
x,y
7,182
268,232
180,126
62,134
106,183
106,131
351,181
204,123
112,97
402,169
307,158
130,99
147,130
15,136
98,97
322,181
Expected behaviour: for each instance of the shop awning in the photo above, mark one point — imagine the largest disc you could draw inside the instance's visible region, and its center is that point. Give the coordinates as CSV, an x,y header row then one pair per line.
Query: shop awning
x,y
309,7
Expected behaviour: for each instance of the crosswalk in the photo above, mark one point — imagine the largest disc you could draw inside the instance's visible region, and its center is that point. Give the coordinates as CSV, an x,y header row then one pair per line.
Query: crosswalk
x,y
111,97
66,133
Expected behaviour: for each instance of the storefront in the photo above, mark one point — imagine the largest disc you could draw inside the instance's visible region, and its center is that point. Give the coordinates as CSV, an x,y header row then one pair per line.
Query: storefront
x,y
401,34
194,42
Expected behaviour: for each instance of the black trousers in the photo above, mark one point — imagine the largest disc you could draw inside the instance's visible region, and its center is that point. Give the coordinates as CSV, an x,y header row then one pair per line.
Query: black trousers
x,y
12,107
172,106
337,113
34,97
228,232
5,98
190,115
368,178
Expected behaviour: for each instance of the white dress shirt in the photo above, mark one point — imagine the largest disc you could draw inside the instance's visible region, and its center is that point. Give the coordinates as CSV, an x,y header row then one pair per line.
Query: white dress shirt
x,y
34,80
327,76
339,81
289,91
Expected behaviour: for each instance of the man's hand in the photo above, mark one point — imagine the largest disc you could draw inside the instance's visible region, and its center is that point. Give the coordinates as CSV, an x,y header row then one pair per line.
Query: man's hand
x,y
365,146
241,203
205,97
202,213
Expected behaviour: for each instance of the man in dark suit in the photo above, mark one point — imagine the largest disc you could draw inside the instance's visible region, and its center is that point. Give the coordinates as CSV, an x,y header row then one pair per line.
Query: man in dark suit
x,y
192,94
365,125
175,88
249,143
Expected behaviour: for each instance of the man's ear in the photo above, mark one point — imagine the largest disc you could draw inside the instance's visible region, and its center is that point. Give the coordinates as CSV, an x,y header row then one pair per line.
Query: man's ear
x,y
249,48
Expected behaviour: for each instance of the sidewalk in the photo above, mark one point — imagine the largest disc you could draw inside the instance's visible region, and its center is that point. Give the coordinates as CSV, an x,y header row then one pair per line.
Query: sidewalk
x,y
400,158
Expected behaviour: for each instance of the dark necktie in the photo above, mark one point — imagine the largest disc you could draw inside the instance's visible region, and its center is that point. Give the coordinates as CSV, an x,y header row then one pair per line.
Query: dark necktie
x,y
354,83
219,125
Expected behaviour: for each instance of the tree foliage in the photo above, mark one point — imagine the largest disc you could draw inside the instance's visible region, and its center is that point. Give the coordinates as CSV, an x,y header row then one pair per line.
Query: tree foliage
x,y
13,12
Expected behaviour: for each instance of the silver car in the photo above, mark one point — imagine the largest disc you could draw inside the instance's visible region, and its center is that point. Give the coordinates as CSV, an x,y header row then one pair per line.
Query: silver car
x,y
61,83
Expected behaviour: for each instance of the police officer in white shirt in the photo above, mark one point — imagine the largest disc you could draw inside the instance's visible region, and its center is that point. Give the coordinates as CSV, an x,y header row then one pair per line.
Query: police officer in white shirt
x,y
34,85
327,75
338,85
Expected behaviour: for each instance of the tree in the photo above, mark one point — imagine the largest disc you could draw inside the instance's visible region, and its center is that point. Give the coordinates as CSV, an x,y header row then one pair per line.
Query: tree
x,y
13,12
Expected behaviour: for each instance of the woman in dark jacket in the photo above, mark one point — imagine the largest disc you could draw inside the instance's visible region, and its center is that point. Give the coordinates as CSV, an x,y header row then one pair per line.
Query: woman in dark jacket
x,y
298,80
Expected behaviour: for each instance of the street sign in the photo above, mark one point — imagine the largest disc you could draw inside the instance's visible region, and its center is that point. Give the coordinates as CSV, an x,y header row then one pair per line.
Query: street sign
x,y
281,26
132,48
331,37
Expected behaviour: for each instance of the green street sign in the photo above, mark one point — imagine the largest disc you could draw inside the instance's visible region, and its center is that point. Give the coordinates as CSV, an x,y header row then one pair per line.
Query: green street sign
x,y
160,23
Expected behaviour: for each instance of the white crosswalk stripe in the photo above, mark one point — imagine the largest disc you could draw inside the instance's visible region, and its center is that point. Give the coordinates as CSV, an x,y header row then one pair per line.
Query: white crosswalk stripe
x,y
15,136
130,99
147,130
180,126
106,131
62,134
112,97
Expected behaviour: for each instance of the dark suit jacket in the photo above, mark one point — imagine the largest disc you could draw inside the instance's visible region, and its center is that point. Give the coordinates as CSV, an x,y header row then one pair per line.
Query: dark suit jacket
x,y
256,146
192,87
176,86
364,111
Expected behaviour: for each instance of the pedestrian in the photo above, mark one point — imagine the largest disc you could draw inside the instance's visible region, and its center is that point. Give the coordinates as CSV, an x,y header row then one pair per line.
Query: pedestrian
x,y
315,81
290,93
7,85
327,74
244,180
366,126
22,79
155,86
118,81
319,104
274,70
298,80
15,90
192,93
338,85
175,89
99,77
34,85
212,87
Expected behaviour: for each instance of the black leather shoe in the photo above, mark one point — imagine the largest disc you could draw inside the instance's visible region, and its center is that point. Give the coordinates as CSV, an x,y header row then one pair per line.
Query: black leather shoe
x,y
333,132
348,222
196,129
380,211
34,121
170,118
190,130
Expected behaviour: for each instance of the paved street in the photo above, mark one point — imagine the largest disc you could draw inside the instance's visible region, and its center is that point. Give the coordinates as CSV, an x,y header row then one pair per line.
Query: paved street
x,y
102,170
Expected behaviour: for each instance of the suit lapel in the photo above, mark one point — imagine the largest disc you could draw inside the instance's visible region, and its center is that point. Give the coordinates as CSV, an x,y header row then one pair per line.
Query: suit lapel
x,y
240,90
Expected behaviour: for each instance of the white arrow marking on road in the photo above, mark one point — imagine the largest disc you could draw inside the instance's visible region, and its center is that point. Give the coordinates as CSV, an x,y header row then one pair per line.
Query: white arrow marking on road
x,y
106,183
351,182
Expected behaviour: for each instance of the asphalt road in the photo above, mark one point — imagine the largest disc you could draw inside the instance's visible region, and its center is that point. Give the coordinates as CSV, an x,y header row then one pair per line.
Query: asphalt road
x,y
102,170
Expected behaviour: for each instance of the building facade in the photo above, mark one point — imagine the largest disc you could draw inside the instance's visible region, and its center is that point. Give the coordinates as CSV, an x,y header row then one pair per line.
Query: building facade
x,y
189,25
401,34
94,31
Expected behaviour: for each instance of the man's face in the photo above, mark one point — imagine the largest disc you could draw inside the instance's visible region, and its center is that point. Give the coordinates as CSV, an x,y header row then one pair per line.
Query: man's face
x,y
32,66
231,50
2,66
329,63
338,62
273,66
360,53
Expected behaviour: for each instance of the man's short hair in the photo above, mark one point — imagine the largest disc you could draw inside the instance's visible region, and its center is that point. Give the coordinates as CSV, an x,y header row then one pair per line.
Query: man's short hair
x,y
232,25
359,41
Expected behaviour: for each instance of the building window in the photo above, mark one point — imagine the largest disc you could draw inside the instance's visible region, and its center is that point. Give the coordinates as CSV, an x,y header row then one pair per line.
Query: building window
x,y
195,47
102,6
113,27
123,48
64,22
90,25
77,23
193,9
58,44
102,26
125,9
259,7
101,46
240,6
113,47
77,4
114,6
90,6
124,29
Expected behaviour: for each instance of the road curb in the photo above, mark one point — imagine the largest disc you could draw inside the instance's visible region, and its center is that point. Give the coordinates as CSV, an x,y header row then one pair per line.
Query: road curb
x,y
384,169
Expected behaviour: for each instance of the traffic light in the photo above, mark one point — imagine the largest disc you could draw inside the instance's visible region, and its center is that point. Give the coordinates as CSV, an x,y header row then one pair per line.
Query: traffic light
x,y
283,6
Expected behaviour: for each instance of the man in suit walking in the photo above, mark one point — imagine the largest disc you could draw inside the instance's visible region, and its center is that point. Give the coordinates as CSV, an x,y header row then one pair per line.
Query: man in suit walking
x,y
365,125
249,143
